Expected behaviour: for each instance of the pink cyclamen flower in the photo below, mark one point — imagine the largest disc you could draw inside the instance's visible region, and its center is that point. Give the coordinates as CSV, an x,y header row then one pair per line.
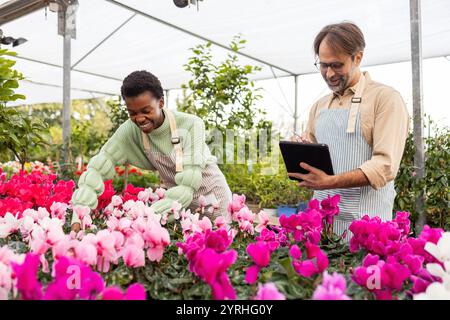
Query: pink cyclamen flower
x,y
160,192
175,209
236,204
156,238
333,287
133,256
59,210
86,252
116,201
202,201
205,224
220,222
8,225
82,213
263,221
269,291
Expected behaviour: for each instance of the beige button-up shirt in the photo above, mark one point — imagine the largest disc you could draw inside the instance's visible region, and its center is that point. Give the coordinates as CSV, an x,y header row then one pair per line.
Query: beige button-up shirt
x,y
384,126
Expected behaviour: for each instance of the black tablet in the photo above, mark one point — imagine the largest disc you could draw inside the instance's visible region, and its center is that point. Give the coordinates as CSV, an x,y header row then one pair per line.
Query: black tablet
x,y
316,155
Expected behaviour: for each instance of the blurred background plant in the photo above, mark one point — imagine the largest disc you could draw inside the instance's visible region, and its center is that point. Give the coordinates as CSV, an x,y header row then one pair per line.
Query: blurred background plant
x,y
436,182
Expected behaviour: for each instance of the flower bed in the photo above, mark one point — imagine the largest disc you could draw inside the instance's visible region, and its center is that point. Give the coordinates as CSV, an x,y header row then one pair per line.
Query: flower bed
x,y
126,251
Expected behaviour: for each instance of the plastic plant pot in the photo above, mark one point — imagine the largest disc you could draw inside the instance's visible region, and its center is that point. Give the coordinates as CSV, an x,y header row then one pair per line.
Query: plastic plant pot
x,y
286,210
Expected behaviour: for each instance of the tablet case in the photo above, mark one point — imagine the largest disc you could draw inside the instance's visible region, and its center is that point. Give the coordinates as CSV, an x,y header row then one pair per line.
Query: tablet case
x,y
316,155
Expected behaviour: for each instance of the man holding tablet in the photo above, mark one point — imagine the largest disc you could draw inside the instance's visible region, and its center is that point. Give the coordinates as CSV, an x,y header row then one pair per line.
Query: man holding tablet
x,y
363,122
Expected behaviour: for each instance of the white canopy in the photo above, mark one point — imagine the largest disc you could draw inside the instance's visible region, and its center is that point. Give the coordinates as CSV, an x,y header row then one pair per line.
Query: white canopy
x,y
115,38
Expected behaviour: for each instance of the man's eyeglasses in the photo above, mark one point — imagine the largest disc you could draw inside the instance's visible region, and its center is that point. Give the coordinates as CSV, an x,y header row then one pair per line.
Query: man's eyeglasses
x,y
323,67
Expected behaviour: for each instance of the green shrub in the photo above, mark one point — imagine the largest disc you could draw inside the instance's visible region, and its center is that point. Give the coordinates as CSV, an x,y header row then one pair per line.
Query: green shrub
x,y
435,185
19,133
266,190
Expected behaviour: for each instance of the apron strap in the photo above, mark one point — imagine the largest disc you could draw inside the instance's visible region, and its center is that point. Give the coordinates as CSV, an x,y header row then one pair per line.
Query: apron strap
x,y
356,101
175,139
146,142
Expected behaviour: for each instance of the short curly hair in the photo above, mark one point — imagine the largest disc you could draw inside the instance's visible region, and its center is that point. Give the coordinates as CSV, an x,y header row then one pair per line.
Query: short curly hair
x,y
138,82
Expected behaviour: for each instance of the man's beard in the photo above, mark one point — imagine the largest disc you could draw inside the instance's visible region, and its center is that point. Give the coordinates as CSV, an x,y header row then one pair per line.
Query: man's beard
x,y
338,84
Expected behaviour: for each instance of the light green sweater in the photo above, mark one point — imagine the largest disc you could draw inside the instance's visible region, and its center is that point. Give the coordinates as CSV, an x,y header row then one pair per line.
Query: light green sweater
x,y
126,144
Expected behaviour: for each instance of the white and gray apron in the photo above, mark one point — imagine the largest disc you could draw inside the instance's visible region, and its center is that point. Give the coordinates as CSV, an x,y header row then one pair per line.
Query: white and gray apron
x,y
213,187
340,129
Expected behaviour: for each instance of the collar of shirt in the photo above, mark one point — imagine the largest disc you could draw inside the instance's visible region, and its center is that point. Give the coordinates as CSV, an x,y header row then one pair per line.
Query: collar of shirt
x,y
351,90
163,129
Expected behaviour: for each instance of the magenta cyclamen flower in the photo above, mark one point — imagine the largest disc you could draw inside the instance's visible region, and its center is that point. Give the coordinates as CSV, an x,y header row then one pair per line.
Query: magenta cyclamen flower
x,y
304,226
330,208
381,277
316,262
26,274
421,280
333,287
260,254
73,280
269,291
382,238
218,240
134,292
209,260
271,238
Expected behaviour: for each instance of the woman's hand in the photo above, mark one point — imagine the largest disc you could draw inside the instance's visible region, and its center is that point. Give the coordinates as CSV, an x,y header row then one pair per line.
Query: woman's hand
x,y
76,227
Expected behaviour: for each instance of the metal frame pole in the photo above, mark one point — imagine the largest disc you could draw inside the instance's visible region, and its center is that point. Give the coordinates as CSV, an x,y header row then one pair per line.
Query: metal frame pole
x,y
68,9
416,64
296,103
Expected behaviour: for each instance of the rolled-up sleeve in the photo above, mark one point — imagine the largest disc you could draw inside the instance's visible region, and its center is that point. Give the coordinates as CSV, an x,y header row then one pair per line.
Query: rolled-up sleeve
x,y
390,131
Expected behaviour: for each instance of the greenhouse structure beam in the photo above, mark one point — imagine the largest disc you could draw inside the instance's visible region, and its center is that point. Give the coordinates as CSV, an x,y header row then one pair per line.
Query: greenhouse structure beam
x,y
69,26
417,94
59,66
148,16
104,40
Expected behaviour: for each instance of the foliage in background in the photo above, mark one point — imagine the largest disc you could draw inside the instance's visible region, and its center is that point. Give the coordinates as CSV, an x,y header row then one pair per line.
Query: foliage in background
x,y
221,93
436,182
118,113
266,190
89,128
19,133
136,177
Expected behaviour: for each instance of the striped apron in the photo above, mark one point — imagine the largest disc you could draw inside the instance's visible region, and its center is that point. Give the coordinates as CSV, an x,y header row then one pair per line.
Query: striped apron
x,y
340,129
214,186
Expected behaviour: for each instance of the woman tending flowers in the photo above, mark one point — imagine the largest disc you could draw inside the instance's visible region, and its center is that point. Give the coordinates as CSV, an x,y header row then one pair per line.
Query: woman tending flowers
x,y
156,138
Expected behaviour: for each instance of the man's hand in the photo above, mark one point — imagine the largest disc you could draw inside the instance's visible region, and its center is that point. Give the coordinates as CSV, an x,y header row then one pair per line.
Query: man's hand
x,y
76,227
316,179
300,138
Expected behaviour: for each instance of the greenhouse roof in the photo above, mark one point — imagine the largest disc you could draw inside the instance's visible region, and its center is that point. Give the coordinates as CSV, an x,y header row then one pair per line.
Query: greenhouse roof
x,y
115,38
